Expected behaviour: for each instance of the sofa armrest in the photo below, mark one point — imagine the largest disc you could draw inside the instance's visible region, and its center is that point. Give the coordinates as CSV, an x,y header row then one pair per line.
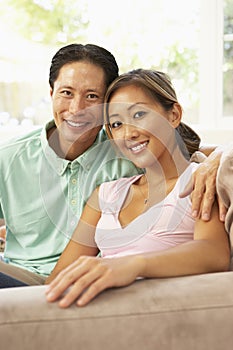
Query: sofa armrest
x,y
193,312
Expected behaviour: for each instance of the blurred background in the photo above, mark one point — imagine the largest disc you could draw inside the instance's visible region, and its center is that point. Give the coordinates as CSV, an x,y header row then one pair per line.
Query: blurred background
x,y
190,40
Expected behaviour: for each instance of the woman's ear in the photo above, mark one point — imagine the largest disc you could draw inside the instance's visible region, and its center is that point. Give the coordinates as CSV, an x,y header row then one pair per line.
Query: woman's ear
x,y
51,92
175,115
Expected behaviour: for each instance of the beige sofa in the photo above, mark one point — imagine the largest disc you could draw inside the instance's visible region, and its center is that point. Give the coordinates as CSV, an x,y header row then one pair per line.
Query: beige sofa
x,y
182,313
185,313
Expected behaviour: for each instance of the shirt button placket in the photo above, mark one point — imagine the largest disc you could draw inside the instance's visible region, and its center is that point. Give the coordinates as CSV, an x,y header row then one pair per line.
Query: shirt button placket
x,y
74,193
73,203
74,181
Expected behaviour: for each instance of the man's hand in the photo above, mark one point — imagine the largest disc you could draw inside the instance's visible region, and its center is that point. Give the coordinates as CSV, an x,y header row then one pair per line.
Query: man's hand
x,y
202,187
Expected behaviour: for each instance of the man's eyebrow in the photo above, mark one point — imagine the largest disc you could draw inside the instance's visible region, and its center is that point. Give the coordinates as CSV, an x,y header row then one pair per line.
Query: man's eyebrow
x,y
93,90
66,87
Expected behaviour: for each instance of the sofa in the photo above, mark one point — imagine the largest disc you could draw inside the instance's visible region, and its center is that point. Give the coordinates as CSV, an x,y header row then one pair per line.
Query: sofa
x,y
182,313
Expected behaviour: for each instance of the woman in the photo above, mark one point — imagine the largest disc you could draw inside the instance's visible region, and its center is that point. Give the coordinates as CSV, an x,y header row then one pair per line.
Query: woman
x,y
140,225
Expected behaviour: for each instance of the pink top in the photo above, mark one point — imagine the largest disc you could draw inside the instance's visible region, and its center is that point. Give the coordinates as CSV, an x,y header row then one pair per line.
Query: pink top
x,y
162,226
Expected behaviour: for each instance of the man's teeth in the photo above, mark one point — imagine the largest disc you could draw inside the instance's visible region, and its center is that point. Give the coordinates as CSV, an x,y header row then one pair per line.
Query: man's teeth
x,y
138,147
71,123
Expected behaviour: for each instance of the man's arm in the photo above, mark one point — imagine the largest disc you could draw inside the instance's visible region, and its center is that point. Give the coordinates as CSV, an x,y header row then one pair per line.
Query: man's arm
x,y
208,149
202,185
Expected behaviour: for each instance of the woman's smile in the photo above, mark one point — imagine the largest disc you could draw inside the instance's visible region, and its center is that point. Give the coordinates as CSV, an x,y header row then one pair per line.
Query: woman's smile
x,y
138,147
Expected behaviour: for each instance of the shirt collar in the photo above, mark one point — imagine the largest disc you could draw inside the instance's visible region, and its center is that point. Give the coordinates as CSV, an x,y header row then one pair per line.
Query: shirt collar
x,y
59,164
89,156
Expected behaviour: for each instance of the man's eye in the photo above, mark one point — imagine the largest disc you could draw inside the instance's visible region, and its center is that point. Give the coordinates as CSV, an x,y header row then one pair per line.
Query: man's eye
x,y
66,92
92,96
115,125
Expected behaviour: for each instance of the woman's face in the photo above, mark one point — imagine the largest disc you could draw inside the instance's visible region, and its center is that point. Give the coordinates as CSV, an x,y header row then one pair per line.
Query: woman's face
x,y
140,126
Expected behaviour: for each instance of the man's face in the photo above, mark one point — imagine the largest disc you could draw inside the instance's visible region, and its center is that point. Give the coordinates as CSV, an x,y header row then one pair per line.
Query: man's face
x,y
77,99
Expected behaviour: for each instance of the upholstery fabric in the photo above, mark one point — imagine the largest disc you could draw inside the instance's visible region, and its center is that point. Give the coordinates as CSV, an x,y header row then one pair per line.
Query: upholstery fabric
x,y
184,313
225,191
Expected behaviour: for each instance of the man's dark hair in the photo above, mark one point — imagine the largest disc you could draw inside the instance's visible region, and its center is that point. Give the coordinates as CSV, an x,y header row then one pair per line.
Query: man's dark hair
x,y
90,53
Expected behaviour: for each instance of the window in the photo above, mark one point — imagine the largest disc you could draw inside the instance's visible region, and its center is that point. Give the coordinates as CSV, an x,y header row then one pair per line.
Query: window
x,y
228,59
191,40
216,68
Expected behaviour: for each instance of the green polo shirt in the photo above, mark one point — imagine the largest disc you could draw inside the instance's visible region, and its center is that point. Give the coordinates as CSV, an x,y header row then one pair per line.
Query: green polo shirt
x,y
42,195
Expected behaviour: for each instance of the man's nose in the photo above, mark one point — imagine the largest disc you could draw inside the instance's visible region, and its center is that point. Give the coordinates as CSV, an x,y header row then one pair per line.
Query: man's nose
x,y
77,105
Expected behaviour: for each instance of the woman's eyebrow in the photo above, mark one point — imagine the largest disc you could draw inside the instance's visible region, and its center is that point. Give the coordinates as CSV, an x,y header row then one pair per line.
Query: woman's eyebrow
x,y
113,115
136,104
128,109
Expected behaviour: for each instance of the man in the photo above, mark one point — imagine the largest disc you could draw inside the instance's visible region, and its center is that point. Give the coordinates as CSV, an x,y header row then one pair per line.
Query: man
x,y
48,174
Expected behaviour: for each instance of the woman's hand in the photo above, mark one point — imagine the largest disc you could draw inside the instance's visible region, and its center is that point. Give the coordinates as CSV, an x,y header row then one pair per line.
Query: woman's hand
x,y
88,276
202,187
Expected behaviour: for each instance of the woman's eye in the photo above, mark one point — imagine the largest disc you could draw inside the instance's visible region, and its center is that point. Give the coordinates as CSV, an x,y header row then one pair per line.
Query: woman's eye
x,y
115,125
139,114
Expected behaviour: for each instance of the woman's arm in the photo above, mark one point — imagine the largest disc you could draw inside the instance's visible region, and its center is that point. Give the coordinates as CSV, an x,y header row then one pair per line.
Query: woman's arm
x,y
82,241
208,252
2,235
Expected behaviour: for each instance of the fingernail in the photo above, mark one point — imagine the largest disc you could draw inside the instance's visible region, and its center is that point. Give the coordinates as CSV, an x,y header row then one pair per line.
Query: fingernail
x,y
63,303
194,213
205,217
50,296
80,302
222,217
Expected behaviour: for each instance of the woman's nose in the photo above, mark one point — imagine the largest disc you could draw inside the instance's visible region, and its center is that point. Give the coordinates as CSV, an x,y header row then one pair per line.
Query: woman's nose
x,y
130,131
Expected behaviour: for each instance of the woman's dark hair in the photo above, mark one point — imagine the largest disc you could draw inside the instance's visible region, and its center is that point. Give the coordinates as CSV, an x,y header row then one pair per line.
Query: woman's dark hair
x,y
159,86
90,53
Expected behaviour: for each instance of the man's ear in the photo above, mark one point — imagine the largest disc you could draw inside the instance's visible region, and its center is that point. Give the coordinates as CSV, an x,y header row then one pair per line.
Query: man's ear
x,y
176,115
51,92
